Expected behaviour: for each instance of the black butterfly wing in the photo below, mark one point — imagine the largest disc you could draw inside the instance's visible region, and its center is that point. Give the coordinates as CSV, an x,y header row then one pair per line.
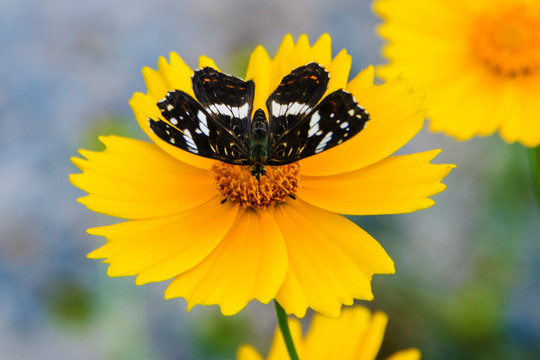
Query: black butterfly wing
x,y
227,98
295,96
190,127
337,118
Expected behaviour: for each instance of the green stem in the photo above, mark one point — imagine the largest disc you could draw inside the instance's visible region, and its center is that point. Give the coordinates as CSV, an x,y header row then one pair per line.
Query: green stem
x,y
534,158
285,331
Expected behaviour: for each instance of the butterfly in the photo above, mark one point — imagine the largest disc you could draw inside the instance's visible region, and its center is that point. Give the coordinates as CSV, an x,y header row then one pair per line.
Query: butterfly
x,y
218,123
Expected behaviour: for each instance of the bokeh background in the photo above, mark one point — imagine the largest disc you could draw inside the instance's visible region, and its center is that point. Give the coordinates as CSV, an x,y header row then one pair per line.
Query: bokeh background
x,y
468,269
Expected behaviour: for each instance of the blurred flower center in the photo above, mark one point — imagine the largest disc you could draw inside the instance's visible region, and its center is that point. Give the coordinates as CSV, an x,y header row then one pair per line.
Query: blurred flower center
x,y
508,41
237,184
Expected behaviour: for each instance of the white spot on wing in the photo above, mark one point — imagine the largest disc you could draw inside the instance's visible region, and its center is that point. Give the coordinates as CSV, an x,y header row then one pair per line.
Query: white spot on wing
x,y
344,125
351,112
174,121
170,107
296,108
189,141
236,111
212,108
223,110
203,125
324,141
243,111
277,109
314,124
240,112
313,130
315,118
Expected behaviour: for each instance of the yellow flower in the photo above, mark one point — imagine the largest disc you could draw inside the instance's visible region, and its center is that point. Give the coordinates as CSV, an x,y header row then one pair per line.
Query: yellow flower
x,y
298,251
479,62
355,335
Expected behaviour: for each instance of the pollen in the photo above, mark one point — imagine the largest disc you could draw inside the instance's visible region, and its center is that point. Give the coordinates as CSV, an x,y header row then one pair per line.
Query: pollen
x,y
507,41
237,184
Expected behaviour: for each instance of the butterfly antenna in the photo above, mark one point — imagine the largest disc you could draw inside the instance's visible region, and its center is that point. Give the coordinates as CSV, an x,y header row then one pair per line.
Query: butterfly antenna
x,y
235,186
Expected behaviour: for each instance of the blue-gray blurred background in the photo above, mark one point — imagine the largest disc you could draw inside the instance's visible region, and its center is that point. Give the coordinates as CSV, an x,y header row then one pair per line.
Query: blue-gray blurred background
x,y
468,269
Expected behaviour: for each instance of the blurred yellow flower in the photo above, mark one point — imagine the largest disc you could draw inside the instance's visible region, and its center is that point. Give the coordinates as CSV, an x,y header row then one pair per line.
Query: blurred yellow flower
x,y
298,251
356,334
479,62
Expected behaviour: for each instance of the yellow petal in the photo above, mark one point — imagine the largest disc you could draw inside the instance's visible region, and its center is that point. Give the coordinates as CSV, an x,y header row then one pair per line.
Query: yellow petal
x,y
322,50
249,263
368,347
394,119
404,16
302,51
177,74
278,350
259,70
339,70
337,339
397,184
283,63
409,354
205,61
448,112
247,352
363,81
161,248
144,107
509,116
136,180
156,85
522,123
331,260
355,335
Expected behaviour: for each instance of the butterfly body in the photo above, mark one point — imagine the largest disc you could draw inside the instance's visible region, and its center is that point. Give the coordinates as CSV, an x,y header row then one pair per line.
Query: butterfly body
x,y
259,144
218,124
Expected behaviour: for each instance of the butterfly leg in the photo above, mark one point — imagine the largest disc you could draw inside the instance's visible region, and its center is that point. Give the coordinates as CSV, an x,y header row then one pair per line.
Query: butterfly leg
x,y
279,185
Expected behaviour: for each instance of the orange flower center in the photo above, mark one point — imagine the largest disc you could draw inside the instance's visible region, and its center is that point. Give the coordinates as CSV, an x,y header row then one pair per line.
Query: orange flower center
x,y
237,184
508,41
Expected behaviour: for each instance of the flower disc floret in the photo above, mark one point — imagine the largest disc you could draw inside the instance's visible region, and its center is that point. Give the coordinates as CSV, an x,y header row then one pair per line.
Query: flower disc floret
x,y
236,184
508,40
